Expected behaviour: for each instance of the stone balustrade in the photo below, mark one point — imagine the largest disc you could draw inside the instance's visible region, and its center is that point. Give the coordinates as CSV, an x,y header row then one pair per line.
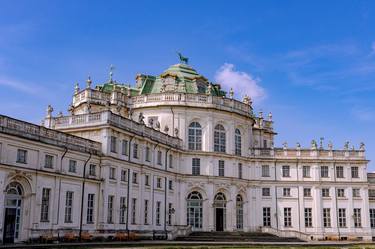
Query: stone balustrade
x,y
184,99
309,153
39,133
193,100
108,118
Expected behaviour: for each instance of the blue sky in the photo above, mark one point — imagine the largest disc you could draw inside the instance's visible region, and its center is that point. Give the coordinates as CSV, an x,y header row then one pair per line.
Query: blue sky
x,y
312,63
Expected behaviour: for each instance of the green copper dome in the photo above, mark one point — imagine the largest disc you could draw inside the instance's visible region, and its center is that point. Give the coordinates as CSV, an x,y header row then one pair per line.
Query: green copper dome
x,y
178,78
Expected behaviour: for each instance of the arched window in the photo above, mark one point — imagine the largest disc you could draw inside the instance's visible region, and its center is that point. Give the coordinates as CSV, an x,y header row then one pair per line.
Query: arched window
x,y
239,212
219,138
194,212
237,142
220,198
14,188
195,136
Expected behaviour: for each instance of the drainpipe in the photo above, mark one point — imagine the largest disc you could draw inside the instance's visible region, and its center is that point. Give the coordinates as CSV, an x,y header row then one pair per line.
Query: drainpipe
x,y
299,203
59,194
277,216
153,193
83,196
337,211
128,189
165,194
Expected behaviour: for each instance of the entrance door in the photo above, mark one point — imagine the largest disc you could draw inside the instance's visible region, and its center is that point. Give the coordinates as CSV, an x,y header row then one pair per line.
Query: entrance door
x,y
10,225
219,219
12,210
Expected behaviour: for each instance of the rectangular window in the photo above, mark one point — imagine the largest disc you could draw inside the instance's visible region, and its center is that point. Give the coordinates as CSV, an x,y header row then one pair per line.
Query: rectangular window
x,y
357,217
68,206
92,170
307,192
147,180
125,148
44,215
134,210
355,172
21,156
159,156
135,178
72,166
265,144
356,193
326,217
158,205
266,192
90,209
342,217
170,211
170,185
135,150
308,217
221,168
148,154
113,144
110,209
170,161
339,172
146,212
306,171
372,217
286,192
124,175
48,161
286,171
324,171
325,192
112,173
266,216
122,210
341,192
158,182
265,170
287,217
240,170
196,166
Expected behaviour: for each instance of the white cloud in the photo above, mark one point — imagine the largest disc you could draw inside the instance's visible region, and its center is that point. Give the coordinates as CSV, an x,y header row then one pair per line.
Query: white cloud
x,y
20,86
241,82
363,114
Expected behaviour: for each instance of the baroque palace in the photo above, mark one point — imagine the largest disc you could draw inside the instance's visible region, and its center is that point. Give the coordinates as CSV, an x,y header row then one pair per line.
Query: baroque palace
x,y
174,154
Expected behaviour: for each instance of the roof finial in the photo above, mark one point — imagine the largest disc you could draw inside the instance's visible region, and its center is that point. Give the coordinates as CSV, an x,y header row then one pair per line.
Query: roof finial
x,y
183,59
88,82
111,68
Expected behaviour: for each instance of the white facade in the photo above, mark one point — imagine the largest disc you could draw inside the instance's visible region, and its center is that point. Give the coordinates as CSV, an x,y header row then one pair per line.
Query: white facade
x,y
149,176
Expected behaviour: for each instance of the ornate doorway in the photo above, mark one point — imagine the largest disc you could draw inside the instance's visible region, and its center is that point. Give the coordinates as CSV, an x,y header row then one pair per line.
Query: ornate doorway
x,y
194,210
220,204
12,206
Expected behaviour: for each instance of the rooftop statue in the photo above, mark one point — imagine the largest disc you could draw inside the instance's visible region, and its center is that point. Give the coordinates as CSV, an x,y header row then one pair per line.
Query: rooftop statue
x,y
362,146
314,145
330,145
183,59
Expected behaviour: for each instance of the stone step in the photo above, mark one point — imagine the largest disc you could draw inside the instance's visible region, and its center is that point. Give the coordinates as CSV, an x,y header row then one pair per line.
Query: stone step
x,y
235,236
